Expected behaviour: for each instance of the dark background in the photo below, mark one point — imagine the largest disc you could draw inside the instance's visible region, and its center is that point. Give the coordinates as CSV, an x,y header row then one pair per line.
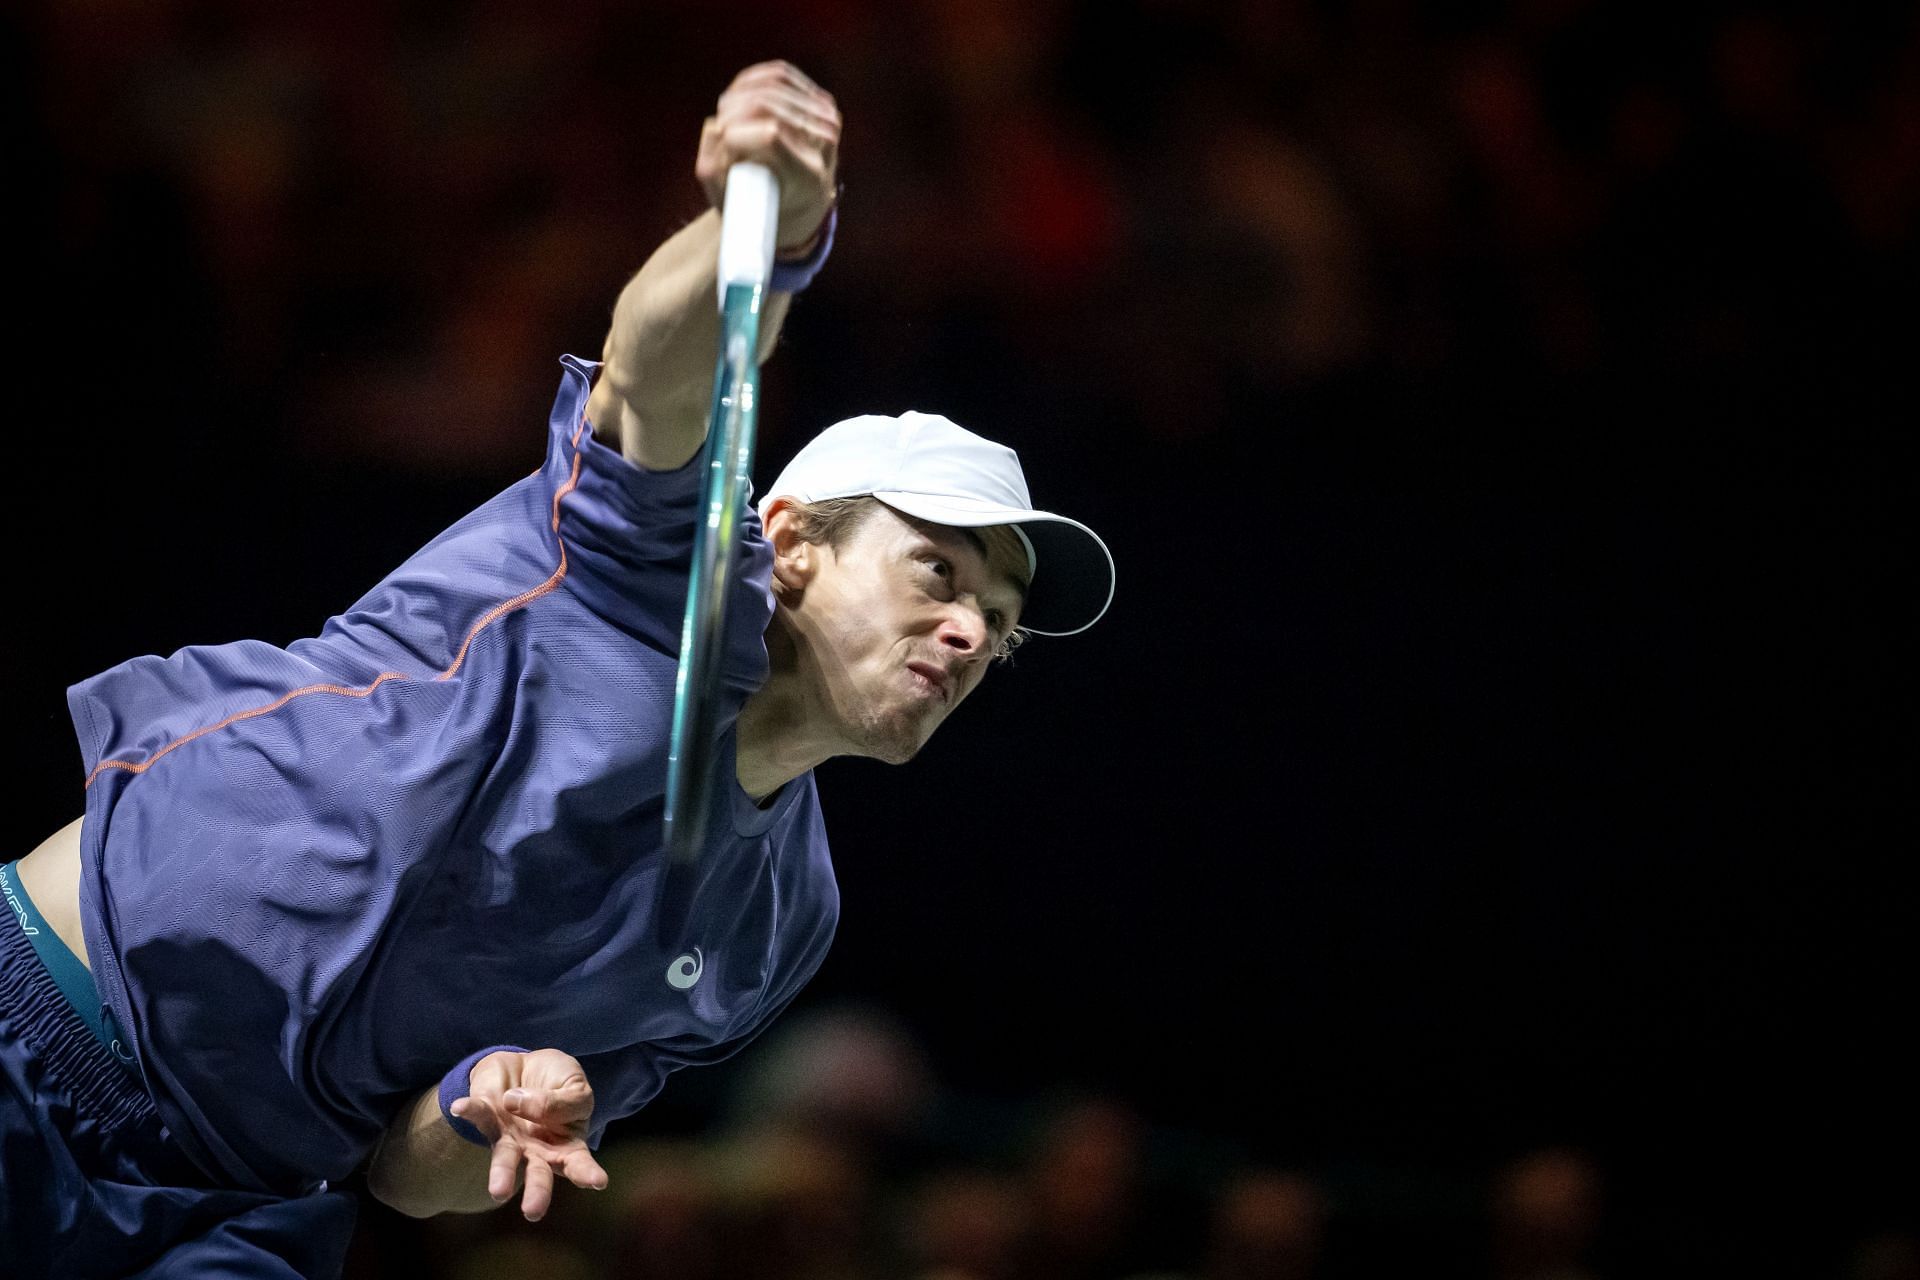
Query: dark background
x,y
1501,735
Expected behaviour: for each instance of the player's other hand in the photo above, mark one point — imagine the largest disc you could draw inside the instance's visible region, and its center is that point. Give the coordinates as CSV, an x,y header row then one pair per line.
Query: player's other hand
x,y
533,1107
773,114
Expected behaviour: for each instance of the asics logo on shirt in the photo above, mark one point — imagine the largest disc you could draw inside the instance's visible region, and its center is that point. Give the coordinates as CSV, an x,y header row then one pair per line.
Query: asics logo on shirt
x,y
684,972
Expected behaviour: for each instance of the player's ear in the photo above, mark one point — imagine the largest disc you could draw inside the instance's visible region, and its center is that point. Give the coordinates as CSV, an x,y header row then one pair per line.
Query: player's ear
x,y
795,560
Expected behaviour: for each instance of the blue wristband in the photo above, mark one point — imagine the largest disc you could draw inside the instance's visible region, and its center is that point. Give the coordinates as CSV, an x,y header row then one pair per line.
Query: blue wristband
x,y
454,1086
792,277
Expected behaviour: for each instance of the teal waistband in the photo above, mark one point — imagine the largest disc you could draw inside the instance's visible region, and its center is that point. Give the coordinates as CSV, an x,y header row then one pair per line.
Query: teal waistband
x,y
72,977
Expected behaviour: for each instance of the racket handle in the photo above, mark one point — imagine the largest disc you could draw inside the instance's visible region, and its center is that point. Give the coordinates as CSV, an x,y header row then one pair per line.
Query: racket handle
x,y
748,219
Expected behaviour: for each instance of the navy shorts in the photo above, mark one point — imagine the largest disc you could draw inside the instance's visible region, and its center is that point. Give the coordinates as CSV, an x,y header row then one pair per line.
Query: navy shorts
x,y
89,1184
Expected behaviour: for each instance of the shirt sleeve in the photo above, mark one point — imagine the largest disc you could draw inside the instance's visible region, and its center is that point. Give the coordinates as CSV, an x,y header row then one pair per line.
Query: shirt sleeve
x,y
628,534
617,537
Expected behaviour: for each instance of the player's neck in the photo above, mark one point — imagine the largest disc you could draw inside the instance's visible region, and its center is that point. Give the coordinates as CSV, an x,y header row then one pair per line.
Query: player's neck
x,y
777,737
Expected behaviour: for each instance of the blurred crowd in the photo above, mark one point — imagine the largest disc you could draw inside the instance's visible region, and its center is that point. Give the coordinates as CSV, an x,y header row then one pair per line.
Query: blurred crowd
x,y
839,1156
369,227
1160,203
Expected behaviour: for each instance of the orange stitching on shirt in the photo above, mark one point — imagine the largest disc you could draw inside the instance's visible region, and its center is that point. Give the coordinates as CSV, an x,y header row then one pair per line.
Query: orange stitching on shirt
x,y
500,610
526,597
492,615
283,700
564,490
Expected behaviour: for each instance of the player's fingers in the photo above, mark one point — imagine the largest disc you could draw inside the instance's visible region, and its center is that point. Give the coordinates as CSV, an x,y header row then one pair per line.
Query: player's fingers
x,y
571,1097
777,71
494,1072
504,1170
759,73
558,1106
748,136
583,1170
798,106
753,131
801,78
803,163
814,130
799,148
539,1192
479,1113
745,140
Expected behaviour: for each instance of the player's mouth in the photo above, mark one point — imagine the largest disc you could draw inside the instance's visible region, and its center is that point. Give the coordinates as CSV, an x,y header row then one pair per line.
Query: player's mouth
x,y
931,680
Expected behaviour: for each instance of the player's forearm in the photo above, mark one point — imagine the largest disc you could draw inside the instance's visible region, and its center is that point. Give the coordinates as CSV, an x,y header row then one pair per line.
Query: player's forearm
x,y
422,1167
655,391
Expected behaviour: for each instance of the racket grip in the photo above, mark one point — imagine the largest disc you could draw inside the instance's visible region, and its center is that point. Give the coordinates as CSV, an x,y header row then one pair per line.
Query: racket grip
x,y
749,217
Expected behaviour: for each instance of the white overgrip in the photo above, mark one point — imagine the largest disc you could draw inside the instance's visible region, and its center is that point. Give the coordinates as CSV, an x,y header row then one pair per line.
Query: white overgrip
x,y
748,218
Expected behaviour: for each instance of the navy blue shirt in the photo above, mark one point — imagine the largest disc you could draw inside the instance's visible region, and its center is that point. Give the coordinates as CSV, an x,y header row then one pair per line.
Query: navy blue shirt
x,y
316,877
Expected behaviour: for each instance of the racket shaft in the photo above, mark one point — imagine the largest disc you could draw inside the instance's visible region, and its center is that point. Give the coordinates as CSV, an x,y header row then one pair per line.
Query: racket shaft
x,y
729,456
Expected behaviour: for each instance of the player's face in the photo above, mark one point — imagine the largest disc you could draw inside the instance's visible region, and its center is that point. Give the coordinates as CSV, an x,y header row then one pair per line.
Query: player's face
x,y
904,617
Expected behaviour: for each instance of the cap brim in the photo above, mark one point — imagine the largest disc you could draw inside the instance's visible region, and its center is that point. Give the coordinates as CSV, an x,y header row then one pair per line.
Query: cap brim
x,y
1073,575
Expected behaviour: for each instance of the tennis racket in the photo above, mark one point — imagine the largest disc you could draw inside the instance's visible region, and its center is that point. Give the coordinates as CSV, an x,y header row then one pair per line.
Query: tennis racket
x,y
748,217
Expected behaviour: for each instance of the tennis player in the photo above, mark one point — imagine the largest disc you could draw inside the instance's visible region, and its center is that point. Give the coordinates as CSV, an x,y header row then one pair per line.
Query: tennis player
x,y
394,899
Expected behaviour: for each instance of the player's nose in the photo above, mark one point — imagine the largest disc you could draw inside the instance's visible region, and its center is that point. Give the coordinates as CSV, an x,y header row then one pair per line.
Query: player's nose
x,y
964,630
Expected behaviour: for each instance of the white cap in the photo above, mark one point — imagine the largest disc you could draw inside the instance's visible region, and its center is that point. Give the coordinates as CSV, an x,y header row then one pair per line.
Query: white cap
x,y
931,468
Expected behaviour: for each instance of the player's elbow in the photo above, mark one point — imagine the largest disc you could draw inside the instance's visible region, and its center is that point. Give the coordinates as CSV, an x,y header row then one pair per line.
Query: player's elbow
x,y
420,1187
410,1208
422,1200
398,1194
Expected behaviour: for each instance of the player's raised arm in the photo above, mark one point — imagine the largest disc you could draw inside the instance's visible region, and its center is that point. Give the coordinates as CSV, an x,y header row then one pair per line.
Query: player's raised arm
x,y
653,394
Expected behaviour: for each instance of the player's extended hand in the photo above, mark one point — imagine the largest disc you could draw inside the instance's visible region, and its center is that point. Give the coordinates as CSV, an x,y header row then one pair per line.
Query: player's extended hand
x,y
533,1107
773,114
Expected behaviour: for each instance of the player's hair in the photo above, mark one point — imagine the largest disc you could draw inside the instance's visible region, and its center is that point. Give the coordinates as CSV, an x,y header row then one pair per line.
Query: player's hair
x,y
831,521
